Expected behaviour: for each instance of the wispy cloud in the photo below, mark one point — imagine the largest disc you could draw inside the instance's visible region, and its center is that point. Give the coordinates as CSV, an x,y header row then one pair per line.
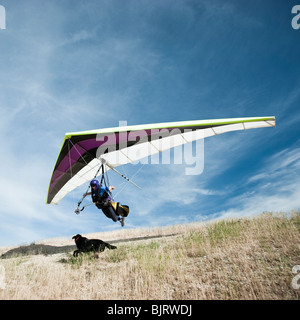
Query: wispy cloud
x,y
282,165
71,66
274,188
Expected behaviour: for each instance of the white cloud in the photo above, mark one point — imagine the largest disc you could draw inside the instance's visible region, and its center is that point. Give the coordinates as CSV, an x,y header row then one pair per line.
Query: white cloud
x,y
275,188
164,185
71,67
82,35
280,168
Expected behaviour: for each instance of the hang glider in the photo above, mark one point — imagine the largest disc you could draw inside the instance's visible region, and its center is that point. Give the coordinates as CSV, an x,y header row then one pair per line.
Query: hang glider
x,y
82,152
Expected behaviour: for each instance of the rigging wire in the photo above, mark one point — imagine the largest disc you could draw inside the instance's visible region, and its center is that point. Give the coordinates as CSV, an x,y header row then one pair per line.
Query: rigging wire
x,y
126,183
104,177
77,211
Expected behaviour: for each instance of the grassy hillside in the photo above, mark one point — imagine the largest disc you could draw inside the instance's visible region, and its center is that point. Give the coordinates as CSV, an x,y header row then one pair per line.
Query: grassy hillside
x,y
228,259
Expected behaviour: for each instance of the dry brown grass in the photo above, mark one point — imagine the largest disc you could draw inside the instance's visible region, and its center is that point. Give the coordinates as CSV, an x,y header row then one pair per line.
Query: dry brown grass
x,y
228,259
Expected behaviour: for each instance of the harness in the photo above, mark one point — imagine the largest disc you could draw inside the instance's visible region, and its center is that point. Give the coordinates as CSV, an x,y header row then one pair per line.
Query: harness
x,y
106,199
100,200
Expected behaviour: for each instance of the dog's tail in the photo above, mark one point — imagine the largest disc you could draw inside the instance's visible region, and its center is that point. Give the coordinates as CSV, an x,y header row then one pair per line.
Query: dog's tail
x,y
109,246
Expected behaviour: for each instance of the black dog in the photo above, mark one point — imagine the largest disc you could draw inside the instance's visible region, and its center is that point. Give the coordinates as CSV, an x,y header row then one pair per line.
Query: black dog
x,y
86,245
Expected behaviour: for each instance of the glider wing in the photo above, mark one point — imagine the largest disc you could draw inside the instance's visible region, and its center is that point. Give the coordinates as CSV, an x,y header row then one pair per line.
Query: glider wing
x,y
83,152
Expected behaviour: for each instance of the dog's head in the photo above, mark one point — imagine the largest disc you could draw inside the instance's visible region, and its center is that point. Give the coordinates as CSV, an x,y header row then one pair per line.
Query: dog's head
x,y
76,237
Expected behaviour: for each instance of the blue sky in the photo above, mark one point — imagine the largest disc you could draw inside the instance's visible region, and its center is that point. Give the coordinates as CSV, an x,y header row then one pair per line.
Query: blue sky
x,y
80,65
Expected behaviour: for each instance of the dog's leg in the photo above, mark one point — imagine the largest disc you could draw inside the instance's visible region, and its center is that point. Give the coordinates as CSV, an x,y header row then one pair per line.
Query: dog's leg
x,y
96,255
75,253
